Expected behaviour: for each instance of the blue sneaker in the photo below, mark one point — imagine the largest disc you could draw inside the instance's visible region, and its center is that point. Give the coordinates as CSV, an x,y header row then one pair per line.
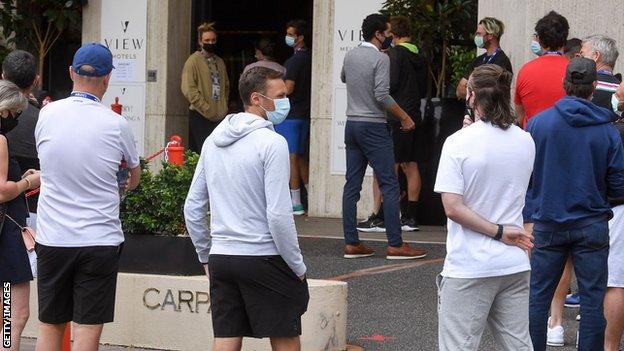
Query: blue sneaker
x,y
572,300
298,210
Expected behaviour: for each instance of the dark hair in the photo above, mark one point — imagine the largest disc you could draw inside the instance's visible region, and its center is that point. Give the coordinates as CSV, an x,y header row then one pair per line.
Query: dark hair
x,y
266,46
301,28
582,91
401,26
20,67
372,24
254,80
572,47
492,87
552,30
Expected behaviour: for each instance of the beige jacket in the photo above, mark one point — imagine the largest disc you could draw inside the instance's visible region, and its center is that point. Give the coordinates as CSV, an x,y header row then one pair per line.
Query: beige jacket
x,y
197,87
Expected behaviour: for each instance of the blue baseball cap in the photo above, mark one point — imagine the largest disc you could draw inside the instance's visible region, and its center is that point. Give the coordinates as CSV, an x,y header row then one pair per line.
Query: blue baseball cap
x,y
95,55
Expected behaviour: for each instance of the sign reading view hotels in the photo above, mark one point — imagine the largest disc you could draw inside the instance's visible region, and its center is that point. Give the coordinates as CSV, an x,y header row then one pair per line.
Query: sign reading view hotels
x,y
124,32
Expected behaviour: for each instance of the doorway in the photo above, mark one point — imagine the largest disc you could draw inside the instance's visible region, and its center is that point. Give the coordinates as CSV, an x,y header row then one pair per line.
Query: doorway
x,y
239,24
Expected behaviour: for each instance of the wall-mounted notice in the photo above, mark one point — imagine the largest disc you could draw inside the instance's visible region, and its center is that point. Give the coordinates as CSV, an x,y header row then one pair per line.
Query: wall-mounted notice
x,y
124,32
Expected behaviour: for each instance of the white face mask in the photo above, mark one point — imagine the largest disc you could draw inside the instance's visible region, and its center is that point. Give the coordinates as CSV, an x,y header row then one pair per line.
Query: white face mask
x,y
615,103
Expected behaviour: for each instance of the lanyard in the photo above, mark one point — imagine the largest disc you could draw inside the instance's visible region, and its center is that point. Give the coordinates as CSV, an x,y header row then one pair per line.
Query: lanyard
x,y
558,53
606,73
85,95
491,57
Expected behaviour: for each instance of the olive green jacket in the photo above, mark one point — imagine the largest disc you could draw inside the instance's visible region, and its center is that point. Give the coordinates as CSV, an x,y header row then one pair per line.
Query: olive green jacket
x,y
197,87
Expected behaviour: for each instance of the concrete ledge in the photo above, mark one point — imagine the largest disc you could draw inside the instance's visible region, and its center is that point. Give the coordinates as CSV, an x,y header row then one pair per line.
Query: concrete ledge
x,y
173,313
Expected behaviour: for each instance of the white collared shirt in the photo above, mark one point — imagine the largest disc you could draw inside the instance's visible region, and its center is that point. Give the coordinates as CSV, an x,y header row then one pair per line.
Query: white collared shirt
x,y
366,43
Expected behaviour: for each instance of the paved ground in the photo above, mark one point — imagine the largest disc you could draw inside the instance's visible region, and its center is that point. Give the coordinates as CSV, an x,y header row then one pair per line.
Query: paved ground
x,y
392,305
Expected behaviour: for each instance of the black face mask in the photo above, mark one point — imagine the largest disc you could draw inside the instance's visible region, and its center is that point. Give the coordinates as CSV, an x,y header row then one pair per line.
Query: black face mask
x,y
209,48
386,43
470,110
9,123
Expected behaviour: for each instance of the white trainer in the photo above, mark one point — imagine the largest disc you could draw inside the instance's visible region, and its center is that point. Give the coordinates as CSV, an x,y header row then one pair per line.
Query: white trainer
x,y
554,336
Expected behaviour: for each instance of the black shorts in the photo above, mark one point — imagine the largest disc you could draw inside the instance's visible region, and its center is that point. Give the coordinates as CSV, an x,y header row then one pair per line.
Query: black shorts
x,y
410,146
255,296
77,283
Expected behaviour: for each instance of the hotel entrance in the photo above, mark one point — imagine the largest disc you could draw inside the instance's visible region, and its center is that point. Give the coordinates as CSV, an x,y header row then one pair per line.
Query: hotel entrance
x,y
240,23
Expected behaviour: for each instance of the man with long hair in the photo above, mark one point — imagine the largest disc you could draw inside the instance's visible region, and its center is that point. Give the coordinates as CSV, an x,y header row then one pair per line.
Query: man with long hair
x,y
483,175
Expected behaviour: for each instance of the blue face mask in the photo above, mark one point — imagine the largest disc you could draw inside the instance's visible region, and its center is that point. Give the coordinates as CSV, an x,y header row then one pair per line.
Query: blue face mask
x,y
536,48
615,103
282,107
479,41
290,41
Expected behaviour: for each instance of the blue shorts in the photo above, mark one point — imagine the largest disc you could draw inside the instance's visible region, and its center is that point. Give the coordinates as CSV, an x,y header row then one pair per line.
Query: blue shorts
x,y
296,133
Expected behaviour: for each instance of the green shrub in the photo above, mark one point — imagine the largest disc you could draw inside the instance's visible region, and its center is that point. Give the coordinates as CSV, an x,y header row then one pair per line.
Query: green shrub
x,y
157,205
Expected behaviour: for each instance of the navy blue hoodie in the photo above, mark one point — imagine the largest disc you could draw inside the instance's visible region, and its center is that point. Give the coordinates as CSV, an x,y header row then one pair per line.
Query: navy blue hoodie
x,y
579,162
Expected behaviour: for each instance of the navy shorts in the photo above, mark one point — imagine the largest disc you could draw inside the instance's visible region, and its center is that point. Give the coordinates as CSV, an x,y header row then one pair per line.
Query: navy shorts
x,y
297,134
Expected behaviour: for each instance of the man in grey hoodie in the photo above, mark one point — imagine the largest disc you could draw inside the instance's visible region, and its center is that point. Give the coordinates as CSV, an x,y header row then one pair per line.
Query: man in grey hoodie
x,y
250,251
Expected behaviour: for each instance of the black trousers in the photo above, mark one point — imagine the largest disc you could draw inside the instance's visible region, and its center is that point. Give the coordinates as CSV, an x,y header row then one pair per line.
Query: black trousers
x,y
199,129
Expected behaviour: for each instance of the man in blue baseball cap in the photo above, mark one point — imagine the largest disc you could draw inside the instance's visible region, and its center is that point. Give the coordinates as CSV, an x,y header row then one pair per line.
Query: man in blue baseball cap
x,y
81,143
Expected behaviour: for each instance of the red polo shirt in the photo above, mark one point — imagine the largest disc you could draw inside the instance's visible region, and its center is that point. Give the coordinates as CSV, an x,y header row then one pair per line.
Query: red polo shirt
x,y
540,84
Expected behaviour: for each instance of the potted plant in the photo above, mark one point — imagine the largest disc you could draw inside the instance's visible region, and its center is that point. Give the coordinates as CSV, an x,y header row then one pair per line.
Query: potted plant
x,y
152,218
442,29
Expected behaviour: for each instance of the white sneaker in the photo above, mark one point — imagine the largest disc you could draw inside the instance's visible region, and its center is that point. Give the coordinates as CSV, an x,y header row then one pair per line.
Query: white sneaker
x,y
554,336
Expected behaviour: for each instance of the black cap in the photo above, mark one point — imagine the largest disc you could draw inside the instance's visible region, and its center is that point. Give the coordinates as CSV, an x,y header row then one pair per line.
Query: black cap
x,y
581,70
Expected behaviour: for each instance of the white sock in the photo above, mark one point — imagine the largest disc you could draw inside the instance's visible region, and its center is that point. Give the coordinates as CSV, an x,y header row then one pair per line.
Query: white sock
x,y
306,187
295,195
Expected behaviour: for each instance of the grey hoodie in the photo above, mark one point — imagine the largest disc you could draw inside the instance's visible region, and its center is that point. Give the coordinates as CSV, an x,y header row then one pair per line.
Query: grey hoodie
x,y
242,176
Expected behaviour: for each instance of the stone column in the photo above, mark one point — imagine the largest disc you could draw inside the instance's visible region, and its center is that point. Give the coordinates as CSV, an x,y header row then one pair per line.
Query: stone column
x,y
168,31
326,189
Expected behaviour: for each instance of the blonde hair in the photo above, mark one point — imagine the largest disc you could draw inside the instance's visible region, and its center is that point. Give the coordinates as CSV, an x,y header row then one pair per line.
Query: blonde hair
x,y
493,26
205,27
11,98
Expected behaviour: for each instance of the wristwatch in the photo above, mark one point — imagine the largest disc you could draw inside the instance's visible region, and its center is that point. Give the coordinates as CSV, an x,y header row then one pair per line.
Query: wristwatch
x,y
499,233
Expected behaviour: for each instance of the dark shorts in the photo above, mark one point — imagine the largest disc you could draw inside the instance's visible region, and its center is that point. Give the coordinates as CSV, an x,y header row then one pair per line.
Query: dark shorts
x,y
77,283
408,147
255,296
200,128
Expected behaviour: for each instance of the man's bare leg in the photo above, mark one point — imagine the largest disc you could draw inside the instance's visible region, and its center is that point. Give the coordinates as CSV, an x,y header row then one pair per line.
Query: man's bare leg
x,y
376,196
50,337
87,337
556,306
295,182
614,314
227,344
286,344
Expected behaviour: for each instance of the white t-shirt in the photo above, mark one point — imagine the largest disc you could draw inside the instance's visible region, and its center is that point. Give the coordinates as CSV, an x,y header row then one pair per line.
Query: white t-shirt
x,y
81,144
491,168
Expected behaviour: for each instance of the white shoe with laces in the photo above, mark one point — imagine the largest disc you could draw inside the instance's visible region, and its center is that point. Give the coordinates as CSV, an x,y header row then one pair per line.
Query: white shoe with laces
x,y
554,336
